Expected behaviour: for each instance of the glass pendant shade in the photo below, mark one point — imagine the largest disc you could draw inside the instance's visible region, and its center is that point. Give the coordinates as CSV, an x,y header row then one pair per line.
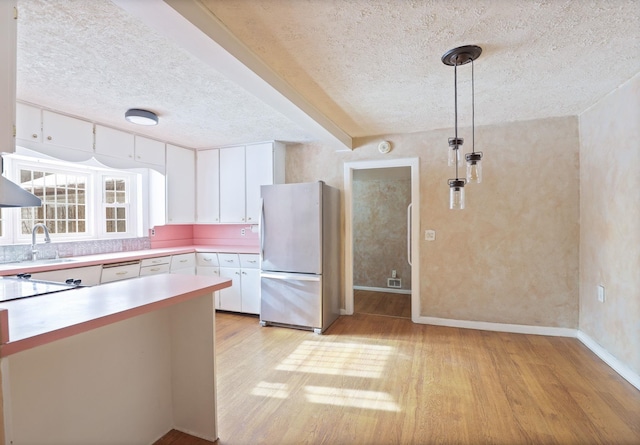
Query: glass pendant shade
x,y
474,167
454,151
456,194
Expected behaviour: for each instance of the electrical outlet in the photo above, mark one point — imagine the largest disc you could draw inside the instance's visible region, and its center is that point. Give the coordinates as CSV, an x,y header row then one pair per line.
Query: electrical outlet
x,y
153,232
601,293
430,235
393,274
243,231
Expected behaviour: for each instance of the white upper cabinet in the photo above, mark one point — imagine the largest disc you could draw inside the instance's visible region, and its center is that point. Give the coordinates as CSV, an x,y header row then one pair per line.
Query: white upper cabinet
x,y
149,151
232,185
242,171
181,203
262,168
28,123
112,142
208,186
8,47
68,132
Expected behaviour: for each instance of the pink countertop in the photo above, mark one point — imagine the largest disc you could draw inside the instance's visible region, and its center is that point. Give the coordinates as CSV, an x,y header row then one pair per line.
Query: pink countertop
x,y
35,321
116,257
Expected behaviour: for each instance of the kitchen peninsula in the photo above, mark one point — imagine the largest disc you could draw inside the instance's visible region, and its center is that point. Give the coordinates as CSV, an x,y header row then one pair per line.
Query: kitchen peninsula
x,y
123,362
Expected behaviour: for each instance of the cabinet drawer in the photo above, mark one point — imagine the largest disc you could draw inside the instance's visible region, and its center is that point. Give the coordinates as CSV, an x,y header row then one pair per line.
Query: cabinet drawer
x,y
207,259
153,270
249,261
183,261
120,272
155,261
229,260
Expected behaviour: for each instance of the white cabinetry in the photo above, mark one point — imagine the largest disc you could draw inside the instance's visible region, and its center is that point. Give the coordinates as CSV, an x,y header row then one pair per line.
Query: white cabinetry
x,y
112,142
232,185
120,271
250,283
88,276
154,266
242,171
28,123
207,264
181,163
208,186
8,49
68,132
149,151
184,264
244,293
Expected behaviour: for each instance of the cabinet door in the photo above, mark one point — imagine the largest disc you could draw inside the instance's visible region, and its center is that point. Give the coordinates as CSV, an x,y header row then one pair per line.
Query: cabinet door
x,y
149,151
232,185
259,171
250,291
181,201
211,272
112,142
28,123
65,131
208,186
230,297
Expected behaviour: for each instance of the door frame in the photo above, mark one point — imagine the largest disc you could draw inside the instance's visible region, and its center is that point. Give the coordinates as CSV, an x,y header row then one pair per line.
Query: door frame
x,y
349,167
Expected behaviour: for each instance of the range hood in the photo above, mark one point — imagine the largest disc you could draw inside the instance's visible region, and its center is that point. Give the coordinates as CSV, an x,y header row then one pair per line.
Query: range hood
x,y
12,195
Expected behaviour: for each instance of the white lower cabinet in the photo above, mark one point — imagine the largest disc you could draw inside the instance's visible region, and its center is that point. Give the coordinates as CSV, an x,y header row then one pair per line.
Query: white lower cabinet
x,y
244,293
154,266
231,297
120,271
88,276
207,264
184,264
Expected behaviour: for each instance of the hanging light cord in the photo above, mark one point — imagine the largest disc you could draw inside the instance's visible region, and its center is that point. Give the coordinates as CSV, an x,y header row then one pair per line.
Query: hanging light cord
x,y
455,101
473,112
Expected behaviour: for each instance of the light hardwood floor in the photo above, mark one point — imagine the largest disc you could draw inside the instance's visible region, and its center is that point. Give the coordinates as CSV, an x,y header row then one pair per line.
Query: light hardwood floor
x,y
381,303
385,380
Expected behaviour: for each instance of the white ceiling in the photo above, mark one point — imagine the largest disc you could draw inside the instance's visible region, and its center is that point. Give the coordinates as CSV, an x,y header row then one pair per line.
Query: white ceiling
x,y
370,67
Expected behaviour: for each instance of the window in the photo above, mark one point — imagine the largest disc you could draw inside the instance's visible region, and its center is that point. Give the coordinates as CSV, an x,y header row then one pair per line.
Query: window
x,y
115,202
79,202
64,197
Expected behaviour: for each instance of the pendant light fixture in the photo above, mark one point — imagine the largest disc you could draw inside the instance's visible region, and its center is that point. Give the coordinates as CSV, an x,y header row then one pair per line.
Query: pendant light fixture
x,y
456,57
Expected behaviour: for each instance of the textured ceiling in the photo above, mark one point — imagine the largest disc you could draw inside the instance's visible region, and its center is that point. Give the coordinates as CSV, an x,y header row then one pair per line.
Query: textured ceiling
x,y
371,66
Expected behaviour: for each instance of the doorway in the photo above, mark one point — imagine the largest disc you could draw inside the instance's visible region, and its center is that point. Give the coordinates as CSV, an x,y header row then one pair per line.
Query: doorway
x,y
381,238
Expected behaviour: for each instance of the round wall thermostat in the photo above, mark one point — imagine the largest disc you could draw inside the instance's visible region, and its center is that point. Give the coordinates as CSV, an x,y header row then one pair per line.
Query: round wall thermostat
x,y
384,147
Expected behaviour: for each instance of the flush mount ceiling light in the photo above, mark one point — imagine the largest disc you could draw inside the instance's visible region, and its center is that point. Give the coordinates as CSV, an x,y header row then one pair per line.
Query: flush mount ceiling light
x,y
141,117
456,57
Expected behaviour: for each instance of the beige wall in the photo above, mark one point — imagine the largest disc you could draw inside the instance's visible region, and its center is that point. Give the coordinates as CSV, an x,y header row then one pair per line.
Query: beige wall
x,y
512,255
610,222
380,231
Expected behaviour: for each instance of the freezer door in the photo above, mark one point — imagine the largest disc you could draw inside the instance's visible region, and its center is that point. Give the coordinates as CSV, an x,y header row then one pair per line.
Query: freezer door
x,y
290,229
292,299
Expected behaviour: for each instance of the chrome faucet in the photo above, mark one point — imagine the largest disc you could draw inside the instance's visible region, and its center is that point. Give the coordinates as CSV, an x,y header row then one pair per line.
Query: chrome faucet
x,y
47,239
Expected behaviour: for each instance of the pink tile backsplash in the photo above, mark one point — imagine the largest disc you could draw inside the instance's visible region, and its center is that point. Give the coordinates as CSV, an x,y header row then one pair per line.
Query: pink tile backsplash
x,y
203,235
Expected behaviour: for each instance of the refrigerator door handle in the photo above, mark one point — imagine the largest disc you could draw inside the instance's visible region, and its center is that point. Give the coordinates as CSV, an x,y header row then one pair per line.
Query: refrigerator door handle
x,y
409,207
261,229
290,276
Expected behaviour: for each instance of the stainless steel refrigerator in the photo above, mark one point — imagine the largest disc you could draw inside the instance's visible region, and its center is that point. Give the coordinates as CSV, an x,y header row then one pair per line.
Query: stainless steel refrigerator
x,y
300,253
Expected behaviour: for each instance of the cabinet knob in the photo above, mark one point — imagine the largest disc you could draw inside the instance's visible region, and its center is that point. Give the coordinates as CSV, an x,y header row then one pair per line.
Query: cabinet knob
x,y
49,138
35,136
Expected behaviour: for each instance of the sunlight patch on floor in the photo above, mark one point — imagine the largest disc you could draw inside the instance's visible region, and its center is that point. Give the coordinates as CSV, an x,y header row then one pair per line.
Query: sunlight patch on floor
x,y
354,398
268,389
347,359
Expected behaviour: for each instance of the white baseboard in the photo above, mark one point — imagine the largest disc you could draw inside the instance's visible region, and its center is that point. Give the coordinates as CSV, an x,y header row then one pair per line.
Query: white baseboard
x,y
498,327
610,360
625,372
384,289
